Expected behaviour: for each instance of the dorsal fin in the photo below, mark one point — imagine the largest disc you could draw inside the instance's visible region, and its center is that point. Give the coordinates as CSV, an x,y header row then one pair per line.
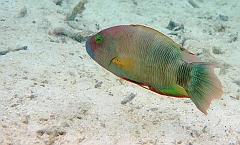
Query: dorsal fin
x,y
154,30
184,52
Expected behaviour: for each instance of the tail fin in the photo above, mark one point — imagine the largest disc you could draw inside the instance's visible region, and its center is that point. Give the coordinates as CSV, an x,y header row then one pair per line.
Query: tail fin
x,y
203,85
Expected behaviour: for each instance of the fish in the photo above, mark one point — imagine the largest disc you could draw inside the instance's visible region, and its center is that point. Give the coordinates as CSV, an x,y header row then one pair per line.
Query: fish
x,y
150,59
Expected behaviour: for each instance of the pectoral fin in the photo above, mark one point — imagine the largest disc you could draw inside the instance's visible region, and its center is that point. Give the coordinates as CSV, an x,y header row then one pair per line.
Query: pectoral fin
x,y
124,63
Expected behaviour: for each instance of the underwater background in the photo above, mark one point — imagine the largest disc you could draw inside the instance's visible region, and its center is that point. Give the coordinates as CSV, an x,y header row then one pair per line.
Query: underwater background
x,y
52,92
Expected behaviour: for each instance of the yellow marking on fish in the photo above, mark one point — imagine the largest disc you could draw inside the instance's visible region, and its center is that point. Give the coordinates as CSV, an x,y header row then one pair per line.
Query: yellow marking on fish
x,y
126,64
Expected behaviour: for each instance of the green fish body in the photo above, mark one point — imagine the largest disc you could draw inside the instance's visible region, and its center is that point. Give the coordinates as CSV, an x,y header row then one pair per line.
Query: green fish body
x,y
152,60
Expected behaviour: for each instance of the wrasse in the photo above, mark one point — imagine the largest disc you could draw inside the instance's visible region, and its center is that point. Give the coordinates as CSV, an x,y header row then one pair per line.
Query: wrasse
x,y
152,60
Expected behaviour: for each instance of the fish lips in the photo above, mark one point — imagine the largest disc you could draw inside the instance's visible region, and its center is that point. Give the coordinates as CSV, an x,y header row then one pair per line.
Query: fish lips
x,y
90,53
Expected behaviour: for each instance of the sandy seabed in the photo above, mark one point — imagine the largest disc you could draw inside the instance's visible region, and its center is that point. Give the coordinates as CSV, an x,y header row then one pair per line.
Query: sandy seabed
x,y
52,92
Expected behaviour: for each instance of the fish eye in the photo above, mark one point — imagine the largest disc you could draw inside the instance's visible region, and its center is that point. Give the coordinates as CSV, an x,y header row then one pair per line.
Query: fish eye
x,y
98,38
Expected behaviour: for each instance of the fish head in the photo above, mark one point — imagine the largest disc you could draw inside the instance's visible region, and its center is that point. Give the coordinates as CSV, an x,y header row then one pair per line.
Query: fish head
x,y
102,47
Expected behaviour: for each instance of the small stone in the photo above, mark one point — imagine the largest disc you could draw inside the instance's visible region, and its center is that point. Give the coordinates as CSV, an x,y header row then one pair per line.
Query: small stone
x,y
14,105
232,37
60,131
25,119
238,83
71,53
216,50
179,142
174,26
195,133
223,18
43,119
97,26
235,97
210,31
238,97
81,139
25,78
79,117
137,132
22,12
182,40
98,85
187,101
128,98
40,132
52,116
204,129
103,124
52,132
64,124
58,2
194,4
220,28
45,82
154,109
32,96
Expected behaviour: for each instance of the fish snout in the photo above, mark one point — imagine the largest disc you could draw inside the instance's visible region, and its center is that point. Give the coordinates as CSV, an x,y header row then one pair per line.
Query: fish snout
x,y
88,48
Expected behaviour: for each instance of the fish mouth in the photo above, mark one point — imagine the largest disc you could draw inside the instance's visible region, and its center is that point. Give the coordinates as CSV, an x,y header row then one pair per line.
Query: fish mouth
x,y
90,53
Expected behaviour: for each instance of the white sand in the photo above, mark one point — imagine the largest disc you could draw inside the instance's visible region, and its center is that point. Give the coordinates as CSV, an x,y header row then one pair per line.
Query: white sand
x,y
48,94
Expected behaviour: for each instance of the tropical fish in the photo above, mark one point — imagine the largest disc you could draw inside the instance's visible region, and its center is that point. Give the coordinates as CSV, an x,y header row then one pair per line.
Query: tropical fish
x,y
152,60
